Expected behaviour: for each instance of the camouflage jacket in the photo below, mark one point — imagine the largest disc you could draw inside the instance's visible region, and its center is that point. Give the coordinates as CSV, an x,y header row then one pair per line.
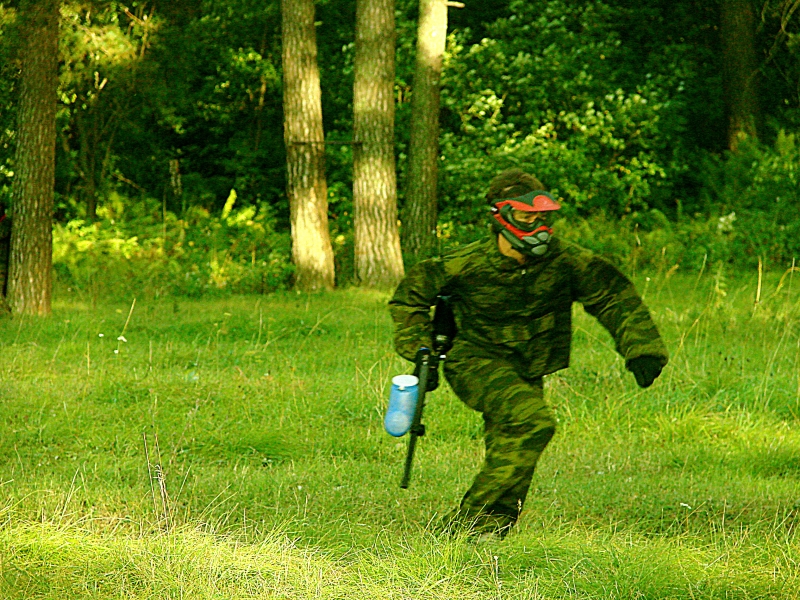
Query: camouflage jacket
x,y
522,313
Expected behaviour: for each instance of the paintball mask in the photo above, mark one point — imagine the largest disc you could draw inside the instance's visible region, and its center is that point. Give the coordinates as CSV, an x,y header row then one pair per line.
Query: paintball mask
x,y
527,236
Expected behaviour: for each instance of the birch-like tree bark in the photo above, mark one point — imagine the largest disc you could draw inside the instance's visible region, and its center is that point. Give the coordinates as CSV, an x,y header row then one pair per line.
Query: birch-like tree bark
x,y
307,189
31,263
378,259
420,210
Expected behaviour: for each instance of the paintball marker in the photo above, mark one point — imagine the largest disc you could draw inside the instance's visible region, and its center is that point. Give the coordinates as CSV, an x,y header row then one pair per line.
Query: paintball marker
x,y
427,371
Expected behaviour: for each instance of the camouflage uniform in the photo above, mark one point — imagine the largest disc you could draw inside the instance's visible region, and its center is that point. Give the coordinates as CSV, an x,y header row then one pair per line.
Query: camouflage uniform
x,y
514,327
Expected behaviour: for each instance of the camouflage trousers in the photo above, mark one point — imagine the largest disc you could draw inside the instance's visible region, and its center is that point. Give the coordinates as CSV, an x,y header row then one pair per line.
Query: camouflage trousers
x,y
518,424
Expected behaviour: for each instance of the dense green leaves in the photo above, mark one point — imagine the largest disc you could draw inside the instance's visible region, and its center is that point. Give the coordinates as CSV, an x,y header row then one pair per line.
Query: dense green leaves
x,y
8,77
136,249
546,92
615,104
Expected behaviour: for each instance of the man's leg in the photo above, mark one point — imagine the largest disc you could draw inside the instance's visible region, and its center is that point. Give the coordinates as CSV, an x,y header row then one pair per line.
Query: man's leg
x,y
519,425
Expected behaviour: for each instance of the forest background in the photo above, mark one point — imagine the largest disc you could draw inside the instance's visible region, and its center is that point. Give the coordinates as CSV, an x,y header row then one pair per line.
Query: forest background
x,y
171,164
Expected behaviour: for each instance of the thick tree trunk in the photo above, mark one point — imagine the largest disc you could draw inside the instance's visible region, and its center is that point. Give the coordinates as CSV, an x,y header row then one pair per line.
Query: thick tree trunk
x,y
419,211
30,269
312,252
378,259
738,31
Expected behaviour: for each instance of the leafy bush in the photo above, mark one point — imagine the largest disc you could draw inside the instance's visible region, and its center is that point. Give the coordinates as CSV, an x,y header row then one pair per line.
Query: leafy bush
x,y
758,188
545,92
137,248
8,110
648,241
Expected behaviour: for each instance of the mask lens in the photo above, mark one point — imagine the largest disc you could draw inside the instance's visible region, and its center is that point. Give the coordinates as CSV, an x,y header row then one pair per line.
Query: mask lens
x,y
527,220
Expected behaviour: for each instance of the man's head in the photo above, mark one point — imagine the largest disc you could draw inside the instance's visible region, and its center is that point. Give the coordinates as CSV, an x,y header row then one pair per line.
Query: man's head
x,y
522,211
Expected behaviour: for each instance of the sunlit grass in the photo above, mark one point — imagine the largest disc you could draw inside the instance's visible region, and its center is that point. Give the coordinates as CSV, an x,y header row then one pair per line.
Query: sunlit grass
x,y
269,474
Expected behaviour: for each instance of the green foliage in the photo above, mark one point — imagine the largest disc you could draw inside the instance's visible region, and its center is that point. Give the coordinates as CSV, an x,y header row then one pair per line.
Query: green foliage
x,y
137,249
752,197
648,241
102,49
617,105
8,81
758,188
217,105
544,93
781,70
145,85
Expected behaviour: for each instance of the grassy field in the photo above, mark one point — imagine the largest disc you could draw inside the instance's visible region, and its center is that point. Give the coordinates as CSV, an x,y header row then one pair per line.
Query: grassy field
x,y
234,449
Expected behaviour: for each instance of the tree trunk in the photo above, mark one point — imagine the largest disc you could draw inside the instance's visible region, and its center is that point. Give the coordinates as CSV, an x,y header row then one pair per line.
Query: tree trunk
x,y
30,269
740,70
312,252
378,259
419,211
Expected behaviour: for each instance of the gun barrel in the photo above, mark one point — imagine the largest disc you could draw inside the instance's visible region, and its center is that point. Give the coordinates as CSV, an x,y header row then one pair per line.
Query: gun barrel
x,y
417,429
427,370
412,443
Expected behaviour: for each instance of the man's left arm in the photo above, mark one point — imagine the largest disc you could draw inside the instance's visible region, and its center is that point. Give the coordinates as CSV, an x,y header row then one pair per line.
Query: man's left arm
x,y
612,299
411,304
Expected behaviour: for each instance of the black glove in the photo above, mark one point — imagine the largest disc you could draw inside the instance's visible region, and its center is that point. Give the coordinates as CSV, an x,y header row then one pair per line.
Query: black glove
x,y
645,369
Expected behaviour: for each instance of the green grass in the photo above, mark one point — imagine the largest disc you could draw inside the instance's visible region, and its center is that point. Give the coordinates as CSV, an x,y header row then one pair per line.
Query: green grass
x,y
262,421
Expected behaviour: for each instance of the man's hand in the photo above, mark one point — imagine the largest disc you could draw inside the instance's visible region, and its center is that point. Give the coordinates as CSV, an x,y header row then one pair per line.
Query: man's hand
x,y
645,369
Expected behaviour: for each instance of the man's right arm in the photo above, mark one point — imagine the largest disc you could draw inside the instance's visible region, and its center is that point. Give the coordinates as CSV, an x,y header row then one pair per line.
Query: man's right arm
x,y
411,305
611,298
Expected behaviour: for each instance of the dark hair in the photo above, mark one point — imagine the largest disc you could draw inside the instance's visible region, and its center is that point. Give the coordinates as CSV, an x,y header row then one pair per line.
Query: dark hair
x,y
512,183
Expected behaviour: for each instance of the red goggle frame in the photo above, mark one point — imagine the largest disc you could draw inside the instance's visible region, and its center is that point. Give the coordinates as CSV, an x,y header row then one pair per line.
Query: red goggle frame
x,y
536,201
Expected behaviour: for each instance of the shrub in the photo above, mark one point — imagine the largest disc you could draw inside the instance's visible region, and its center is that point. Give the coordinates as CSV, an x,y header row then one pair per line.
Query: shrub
x,y
757,192
545,93
136,248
